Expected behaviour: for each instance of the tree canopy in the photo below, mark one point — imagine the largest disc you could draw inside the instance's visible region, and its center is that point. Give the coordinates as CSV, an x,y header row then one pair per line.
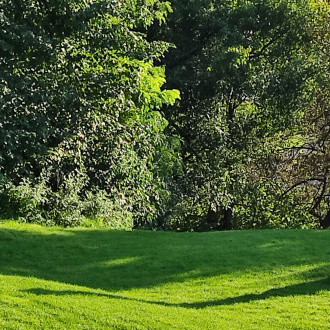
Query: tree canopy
x,y
191,116
247,72
79,105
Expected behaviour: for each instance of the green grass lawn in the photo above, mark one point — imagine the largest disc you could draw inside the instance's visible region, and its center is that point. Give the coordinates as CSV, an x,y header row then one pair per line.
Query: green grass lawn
x,y
55,278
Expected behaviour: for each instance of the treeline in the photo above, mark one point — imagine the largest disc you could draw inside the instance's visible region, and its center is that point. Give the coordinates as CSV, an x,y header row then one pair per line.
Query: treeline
x,y
194,115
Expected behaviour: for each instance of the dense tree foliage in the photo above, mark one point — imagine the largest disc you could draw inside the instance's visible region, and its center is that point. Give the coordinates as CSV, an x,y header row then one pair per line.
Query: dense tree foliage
x,y
79,119
247,71
91,128
302,167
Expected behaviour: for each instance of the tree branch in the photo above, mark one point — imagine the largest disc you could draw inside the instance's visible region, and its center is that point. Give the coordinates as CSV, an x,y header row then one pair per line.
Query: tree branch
x,y
264,47
303,182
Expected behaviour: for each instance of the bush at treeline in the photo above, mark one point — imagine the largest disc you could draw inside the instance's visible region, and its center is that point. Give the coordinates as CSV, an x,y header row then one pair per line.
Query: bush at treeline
x,y
194,115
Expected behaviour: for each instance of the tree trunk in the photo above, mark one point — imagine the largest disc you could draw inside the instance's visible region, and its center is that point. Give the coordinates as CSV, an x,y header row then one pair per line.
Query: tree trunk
x,y
214,220
325,222
212,217
227,219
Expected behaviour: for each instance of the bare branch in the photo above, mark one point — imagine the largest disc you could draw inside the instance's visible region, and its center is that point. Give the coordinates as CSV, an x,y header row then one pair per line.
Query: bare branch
x,y
302,182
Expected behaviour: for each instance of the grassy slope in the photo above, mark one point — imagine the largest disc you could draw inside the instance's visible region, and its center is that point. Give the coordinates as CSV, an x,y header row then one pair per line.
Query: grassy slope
x,y
101,279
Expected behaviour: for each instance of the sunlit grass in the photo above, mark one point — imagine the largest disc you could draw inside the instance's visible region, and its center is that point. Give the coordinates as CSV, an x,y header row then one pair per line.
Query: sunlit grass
x,y
100,279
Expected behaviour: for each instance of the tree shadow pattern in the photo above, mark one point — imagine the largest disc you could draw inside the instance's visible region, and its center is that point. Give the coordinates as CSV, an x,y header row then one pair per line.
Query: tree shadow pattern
x,y
115,261
308,288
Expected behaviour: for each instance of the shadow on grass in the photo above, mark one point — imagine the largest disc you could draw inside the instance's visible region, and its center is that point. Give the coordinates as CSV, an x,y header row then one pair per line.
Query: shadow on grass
x,y
113,260
308,288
